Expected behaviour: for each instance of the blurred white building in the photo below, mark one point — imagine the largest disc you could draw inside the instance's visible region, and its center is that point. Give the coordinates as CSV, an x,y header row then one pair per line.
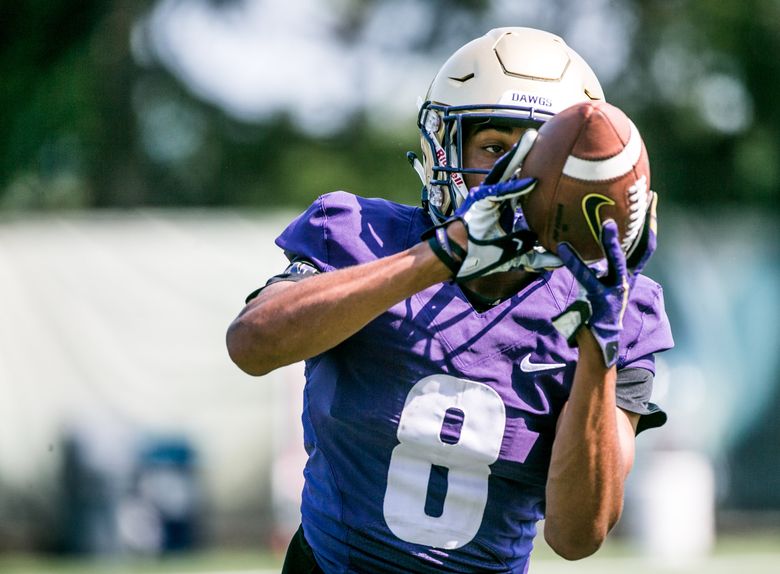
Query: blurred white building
x,y
113,333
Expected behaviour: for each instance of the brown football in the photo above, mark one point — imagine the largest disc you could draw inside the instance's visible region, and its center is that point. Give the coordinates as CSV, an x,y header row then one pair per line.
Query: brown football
x,y
592,165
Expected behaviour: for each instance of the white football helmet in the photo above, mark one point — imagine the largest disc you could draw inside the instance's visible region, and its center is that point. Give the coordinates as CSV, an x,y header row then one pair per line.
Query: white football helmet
x,y
521,76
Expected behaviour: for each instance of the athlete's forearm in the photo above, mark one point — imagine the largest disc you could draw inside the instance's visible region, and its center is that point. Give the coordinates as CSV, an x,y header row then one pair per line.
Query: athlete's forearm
x,y
588,465
290,321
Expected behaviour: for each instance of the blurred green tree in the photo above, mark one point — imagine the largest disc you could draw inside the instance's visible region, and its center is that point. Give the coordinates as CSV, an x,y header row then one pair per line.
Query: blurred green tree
x,y
85,123
701,82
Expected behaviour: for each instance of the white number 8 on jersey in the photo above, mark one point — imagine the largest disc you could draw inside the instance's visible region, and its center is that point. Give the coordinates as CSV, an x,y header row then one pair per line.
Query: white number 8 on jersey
x,y
467,461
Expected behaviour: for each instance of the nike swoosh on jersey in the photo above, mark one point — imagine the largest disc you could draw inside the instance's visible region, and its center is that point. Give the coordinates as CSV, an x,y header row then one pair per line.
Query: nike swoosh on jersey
x,y
528,367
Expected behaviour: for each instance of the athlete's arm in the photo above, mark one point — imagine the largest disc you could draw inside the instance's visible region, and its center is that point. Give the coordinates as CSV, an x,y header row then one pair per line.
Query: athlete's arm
x,y
591,457
290,321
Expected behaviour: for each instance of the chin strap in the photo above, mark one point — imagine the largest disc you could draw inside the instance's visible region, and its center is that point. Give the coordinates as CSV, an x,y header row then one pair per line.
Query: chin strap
x,y
411,157
416,165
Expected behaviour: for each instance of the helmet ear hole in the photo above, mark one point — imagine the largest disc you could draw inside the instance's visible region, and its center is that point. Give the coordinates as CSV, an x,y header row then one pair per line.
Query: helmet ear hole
x,y
517,76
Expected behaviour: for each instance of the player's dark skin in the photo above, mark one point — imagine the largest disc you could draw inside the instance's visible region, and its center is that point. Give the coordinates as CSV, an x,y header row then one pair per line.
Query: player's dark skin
x,y
593,449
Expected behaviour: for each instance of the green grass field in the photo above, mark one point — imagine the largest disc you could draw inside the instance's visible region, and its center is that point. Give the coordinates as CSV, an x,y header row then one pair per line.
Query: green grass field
x,y
753,554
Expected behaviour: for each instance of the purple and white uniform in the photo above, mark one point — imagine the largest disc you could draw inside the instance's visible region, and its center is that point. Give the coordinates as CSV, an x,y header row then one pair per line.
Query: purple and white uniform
x,y
429,432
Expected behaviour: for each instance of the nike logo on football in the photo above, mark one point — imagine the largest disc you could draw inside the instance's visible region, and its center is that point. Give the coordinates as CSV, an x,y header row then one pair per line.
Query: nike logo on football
x,y
528,367
591,206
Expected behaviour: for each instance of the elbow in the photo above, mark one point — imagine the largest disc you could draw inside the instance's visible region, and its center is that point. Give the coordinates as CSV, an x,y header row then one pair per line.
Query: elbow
x,y
574,545
248,350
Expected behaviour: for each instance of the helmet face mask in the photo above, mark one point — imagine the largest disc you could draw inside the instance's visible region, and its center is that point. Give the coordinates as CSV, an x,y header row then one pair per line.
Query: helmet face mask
x,y
447,145
510,77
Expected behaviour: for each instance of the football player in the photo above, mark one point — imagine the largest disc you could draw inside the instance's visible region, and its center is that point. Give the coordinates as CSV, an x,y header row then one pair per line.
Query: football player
x,y
461,383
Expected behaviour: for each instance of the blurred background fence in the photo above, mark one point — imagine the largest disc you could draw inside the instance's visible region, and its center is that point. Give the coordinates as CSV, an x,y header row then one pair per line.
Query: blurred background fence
x,y
150,151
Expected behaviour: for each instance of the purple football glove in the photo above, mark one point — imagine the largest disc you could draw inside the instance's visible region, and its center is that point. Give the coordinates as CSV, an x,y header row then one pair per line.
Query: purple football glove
x,y
606,298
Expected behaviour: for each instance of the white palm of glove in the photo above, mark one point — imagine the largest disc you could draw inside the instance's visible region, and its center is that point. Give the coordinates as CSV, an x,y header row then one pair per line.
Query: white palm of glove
x,y
491,246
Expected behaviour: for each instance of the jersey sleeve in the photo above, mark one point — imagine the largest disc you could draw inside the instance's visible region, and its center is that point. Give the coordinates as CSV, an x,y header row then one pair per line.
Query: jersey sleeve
x,y
634,388
306,236
341,229
297,270
646,329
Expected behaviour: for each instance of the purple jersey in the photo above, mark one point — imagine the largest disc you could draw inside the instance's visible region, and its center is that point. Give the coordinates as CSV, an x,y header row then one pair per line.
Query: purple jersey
x,y
429,432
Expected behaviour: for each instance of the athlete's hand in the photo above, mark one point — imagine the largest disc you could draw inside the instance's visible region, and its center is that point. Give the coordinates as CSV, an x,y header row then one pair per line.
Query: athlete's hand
x,y
497,234
497,231
603,300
